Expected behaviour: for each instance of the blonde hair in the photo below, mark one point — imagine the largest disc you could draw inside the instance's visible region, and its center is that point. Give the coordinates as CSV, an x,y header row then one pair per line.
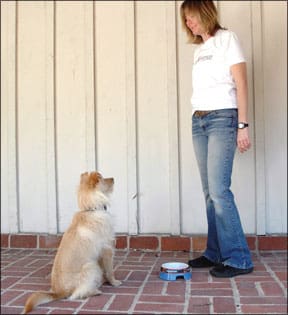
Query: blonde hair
x,y
208,16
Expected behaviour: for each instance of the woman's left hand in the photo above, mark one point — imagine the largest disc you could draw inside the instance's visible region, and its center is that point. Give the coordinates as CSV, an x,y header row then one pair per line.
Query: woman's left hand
x,y
243,141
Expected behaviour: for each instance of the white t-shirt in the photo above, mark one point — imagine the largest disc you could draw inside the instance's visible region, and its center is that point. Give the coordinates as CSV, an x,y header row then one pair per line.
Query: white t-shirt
x,y
212,82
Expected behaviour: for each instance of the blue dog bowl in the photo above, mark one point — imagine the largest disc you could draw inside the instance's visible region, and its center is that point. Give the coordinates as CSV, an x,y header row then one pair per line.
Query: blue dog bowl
x,y
175,270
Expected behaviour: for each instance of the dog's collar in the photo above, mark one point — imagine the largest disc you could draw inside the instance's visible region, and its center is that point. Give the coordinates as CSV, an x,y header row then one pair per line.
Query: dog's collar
x,y
94,209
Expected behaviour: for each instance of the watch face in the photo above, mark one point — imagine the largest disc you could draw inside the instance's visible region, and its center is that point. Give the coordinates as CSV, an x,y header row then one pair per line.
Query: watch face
x,y
242,125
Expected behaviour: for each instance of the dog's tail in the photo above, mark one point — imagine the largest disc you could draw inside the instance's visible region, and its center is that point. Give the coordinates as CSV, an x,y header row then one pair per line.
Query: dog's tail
x,y
38,298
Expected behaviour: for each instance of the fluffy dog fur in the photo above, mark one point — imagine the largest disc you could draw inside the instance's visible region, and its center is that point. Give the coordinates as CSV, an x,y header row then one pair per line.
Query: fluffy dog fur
x,y
84,259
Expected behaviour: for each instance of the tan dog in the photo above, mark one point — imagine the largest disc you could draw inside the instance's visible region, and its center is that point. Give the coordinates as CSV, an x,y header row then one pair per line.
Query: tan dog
x,y
84,259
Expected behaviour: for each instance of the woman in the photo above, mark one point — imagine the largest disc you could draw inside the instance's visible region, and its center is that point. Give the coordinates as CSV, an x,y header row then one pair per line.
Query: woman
x,y
219,125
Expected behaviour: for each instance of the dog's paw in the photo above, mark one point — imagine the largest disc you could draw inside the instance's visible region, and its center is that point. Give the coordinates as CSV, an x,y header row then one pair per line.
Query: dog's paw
x,y
96,292
116,283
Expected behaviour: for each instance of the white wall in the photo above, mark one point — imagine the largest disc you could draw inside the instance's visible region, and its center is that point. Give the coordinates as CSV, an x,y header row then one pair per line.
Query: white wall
x,y
275,111
106,85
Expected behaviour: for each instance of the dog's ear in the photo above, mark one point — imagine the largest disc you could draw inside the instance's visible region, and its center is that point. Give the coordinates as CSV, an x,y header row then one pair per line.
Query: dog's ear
x,y
83,177
94,179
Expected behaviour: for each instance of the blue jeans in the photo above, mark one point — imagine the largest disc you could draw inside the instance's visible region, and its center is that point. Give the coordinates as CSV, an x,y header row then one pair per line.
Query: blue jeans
x,y
215,140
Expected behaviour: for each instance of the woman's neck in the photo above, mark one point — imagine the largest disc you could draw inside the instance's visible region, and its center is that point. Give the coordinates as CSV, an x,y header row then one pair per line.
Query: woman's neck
x,y
205,37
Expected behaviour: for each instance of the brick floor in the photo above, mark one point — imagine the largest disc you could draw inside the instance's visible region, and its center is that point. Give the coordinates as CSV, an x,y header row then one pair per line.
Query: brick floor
x,y
143,292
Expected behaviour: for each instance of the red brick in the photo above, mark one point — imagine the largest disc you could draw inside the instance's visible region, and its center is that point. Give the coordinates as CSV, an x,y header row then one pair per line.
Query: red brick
x,y
9,295
49,241
210,285
212,292
8,282
224,305
121,242
32,287
120,290
199,305
271,289
4,240
199,243
162,298
153,288
252,278
281,275
23,241
96,302
34,280
263,300
132,255
42,272
14,273
65,303
247,288
264,309
159,308
251,241
60,311
137,275
272,242
39,310
94,312
175,243
176,287
121,303
144,242
37,263
11,310
199,276
121,274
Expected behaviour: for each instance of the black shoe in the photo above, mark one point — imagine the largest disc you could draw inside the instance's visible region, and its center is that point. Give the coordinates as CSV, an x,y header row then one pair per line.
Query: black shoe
x,y
228,271
201,262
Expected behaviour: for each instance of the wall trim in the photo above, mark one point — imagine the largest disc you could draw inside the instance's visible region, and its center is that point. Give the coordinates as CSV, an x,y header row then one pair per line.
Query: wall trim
x,y
153,242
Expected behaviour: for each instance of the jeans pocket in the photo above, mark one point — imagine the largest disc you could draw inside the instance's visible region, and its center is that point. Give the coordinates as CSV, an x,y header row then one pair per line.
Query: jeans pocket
x,y
226,118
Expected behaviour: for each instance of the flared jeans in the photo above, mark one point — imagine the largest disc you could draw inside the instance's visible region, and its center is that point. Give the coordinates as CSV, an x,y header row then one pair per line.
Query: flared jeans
x,y
215,141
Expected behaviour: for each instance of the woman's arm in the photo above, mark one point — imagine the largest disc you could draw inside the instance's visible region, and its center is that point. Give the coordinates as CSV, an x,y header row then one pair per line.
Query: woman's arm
x,y
239,75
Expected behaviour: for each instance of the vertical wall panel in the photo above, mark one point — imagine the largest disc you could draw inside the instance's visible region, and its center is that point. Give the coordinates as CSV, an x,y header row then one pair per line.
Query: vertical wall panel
x,y
153,60
9,219
49,97
259,112
275,108
115,118
74,101
132,199
152,117
35,117
172,106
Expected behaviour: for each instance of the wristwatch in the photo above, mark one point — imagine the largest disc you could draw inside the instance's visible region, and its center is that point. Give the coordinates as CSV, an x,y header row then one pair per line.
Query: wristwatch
x,y
242,125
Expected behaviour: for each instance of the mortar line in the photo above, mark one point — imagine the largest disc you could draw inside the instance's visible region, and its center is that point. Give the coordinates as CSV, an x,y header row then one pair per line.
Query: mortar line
x,y
236,296
187,297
